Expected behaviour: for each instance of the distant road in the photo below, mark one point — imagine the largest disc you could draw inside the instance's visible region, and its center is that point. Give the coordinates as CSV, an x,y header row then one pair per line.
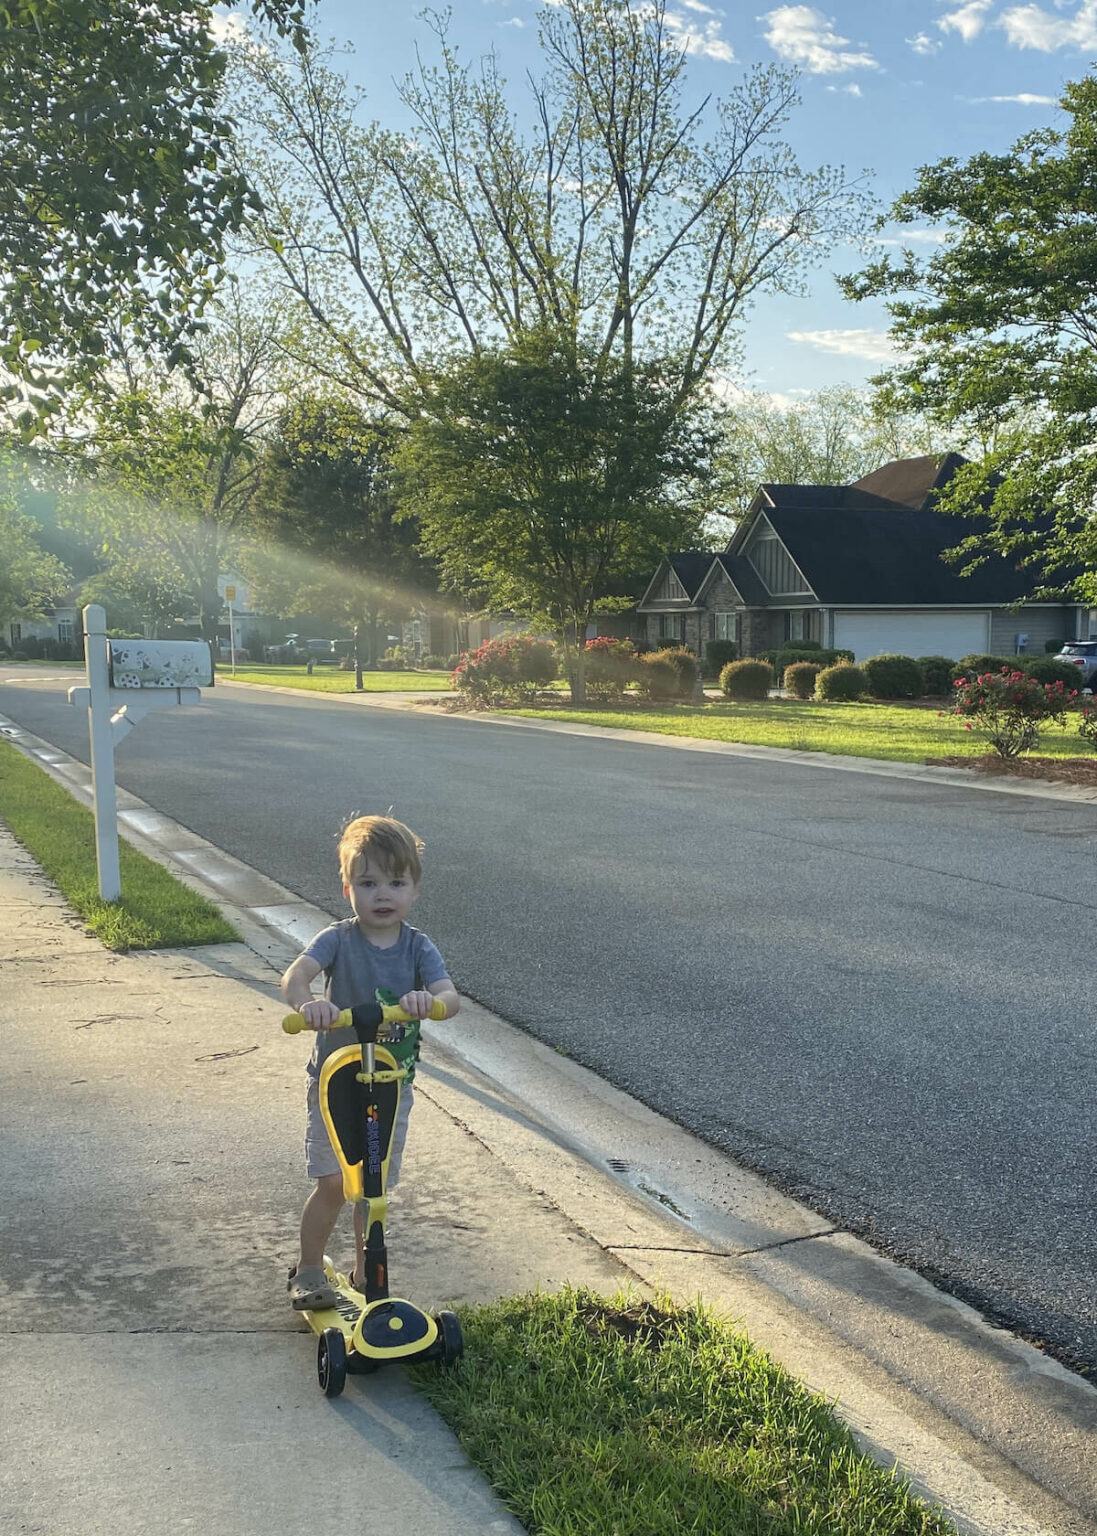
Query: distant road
x,y
876,990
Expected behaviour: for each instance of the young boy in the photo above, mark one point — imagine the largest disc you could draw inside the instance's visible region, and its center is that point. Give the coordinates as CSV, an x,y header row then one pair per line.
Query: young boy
x,y
375,956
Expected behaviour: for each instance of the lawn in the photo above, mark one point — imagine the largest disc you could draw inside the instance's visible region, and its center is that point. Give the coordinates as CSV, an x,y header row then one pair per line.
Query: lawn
x,y
595,1417
155,911
891,731
335,680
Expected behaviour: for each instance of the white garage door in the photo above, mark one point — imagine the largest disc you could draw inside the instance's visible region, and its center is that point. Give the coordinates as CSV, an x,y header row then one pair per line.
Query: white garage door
x,y
912,634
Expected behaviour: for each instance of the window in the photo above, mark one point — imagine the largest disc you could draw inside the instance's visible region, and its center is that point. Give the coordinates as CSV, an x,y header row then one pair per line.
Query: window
x,y
64,631
671,626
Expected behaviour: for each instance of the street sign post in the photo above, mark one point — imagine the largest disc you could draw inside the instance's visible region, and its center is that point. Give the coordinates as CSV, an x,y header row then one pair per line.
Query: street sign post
x,y
125,679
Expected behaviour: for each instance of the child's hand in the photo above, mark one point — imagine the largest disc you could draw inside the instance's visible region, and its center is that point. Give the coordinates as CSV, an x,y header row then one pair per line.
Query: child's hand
x,y
418,1004
318,1013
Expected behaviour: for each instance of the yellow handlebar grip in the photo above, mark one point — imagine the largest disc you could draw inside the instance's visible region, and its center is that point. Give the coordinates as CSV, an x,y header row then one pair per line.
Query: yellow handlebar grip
x,y
293,1023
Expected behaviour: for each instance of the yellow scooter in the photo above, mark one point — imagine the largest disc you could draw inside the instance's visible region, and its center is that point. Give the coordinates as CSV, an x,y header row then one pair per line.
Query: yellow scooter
x,y
359,1096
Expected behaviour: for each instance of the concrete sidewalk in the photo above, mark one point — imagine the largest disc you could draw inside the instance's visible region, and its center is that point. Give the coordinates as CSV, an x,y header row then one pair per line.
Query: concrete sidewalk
x,y
152,1376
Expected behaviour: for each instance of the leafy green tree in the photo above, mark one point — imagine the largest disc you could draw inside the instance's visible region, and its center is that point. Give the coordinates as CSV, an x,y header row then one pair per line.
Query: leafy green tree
x,y
551,484
31,579
327,537
623,218
164,481
832,437
998,330
116,187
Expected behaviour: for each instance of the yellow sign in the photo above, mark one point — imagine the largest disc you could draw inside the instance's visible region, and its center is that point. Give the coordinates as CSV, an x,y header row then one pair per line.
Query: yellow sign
x,y
230,594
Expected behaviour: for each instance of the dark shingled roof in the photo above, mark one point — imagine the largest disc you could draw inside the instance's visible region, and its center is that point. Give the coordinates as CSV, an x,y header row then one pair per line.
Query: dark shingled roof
x,y
880,540
691,567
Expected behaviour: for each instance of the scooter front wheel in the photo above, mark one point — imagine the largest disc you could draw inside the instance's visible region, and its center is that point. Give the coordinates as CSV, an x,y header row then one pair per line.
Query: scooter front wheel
x,y
331,1362
449,1331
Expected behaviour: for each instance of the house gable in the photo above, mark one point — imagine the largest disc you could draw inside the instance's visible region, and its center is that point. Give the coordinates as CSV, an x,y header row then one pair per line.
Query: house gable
x,y
771,561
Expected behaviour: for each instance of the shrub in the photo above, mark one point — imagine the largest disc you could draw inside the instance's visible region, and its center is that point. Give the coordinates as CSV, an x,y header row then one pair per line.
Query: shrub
x,y
785,655
684,663
510,668
1087,726
800,678
1045,669
893,677
451,661
938,673
972,666
717,655
19,656
433,663
1009,708
842,682
746,680
610,666
657,677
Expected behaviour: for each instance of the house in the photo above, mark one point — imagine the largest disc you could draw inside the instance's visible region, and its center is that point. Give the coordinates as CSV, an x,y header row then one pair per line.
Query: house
x,y
857,567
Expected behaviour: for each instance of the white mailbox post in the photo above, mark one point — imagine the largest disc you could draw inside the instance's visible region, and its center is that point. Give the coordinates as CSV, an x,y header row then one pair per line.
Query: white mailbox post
x,y
127,678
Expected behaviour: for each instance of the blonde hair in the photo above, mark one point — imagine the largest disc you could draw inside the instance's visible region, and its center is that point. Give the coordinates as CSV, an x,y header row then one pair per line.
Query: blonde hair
x,y
384,840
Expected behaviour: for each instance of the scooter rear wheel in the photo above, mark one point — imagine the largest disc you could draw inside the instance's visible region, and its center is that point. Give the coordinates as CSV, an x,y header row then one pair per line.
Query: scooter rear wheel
x,y
331,1362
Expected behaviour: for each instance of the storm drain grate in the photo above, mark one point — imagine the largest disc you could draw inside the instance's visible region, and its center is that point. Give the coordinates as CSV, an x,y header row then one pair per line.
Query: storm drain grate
x,y
618,1165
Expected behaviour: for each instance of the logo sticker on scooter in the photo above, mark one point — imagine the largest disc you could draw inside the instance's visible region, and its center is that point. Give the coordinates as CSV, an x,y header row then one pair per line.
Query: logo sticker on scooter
x,y
373,1142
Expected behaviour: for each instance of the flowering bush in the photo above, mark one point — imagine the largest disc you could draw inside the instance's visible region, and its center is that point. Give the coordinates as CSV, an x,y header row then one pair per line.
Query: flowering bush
x,y
1009,708
1087,726
610,666
511,668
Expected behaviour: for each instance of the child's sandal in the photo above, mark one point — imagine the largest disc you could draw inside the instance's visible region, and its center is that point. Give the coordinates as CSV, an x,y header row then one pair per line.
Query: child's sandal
x,y
310,1290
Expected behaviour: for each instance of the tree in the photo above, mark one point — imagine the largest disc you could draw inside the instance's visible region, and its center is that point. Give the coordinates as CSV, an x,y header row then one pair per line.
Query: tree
x,y
832,437
999,331
549,483
166,478
116,191
330,540
31,579
613,223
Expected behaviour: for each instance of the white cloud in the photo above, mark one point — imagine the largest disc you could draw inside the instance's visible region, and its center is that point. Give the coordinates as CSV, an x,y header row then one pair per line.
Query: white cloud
x,y
228,27
512,21
874,346
1023,98
916,237
846,90
802,35
1027,26
924,44
969,20
699,37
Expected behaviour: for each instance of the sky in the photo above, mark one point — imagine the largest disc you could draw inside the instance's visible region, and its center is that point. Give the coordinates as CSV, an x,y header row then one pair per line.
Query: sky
x,y
887,86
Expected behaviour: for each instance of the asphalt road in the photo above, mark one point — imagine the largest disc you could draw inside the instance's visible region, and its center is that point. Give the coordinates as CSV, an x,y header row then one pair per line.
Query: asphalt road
x,y
873,990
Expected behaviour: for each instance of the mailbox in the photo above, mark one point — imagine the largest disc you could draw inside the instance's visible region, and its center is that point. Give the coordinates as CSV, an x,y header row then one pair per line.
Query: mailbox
x,y
160,664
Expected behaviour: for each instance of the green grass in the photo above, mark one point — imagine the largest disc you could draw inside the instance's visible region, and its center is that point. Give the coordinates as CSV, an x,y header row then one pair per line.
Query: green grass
x,y
623,1418
156,911
888,731
335,680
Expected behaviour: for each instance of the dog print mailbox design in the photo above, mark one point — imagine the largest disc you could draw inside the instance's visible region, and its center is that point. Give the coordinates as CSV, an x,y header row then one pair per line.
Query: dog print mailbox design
x,y
160,664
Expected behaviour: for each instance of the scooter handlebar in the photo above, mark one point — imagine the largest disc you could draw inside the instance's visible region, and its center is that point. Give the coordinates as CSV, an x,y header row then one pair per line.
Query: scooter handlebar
x,y
294,1024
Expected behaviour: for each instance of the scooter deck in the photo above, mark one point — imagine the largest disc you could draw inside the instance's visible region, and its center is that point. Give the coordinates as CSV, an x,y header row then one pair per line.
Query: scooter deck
x,y
377,1332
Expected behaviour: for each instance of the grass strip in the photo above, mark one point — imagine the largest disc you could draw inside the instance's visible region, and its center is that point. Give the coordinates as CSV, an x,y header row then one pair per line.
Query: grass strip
x,y
334,680
618,1417
886,731
155,911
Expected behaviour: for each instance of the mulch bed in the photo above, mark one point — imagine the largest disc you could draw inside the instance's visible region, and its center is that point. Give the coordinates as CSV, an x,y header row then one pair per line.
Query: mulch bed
x,y
1069,770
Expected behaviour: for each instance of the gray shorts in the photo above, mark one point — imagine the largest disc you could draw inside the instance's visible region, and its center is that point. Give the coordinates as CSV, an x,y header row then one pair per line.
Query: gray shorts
x,y
320,1160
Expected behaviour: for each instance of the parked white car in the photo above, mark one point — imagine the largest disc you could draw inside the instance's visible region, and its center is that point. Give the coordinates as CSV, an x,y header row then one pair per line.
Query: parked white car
x,y
1083,655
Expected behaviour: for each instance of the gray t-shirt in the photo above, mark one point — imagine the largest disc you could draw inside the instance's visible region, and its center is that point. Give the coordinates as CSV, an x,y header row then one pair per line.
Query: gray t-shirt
x,y
357,971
